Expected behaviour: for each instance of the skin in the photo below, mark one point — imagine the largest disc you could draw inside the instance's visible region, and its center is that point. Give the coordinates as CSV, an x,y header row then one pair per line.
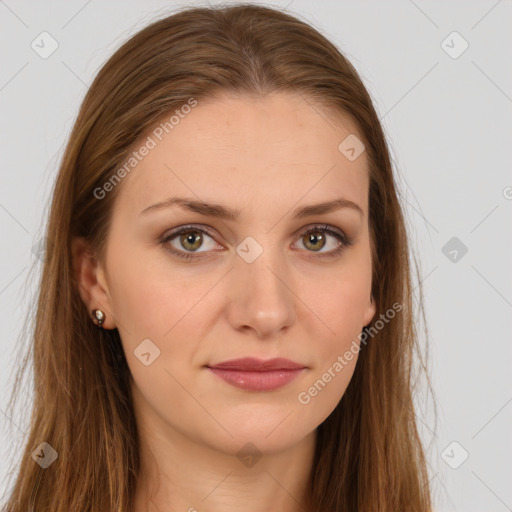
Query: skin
x,y
265,156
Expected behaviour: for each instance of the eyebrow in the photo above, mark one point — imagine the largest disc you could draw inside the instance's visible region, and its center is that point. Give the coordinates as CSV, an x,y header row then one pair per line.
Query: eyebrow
x,y
222,212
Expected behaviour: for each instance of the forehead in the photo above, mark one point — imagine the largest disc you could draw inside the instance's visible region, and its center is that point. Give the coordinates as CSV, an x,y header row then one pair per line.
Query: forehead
x,y
248,150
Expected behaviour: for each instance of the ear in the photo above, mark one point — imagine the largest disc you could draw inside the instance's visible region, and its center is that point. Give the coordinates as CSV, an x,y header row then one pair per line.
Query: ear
x,y
370,311
91,282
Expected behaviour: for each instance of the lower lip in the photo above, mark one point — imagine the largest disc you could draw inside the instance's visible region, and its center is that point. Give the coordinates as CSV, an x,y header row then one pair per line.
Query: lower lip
x,y
257,381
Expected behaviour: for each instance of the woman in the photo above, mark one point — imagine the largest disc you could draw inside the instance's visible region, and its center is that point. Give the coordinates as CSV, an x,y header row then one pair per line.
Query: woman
x,y
225,317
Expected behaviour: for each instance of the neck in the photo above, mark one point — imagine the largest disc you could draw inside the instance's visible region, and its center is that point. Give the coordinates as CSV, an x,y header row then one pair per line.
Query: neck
x,y
180,474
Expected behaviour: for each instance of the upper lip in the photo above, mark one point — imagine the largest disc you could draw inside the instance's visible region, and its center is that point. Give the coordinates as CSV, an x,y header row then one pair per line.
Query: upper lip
x,y
258,365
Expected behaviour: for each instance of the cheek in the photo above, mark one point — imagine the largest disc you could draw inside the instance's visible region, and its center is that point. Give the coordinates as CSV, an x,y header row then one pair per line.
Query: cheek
x,y
149,295
138,296
336,348
340,301
340,297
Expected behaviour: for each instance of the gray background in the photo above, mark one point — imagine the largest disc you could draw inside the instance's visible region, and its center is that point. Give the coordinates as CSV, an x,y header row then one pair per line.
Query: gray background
x,y
448,122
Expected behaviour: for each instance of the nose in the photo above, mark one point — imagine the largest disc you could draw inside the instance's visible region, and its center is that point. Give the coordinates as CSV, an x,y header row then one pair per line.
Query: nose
x,y
261,298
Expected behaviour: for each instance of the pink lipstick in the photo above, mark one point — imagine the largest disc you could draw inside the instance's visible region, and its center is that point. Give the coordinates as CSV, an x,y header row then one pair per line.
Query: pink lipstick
x,y
257,375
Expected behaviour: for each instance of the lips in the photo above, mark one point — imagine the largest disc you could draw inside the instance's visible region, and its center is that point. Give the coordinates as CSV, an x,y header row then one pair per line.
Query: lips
x,y
254,374
258,365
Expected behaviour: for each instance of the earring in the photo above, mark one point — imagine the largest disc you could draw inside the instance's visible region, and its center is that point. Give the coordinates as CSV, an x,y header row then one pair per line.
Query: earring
x,y
99,316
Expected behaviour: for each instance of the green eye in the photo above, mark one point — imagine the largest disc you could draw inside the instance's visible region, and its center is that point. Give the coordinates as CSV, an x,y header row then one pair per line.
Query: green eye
x,y
314,239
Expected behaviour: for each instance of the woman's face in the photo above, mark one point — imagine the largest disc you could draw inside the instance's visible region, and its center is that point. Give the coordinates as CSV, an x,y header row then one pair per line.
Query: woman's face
x,y
253,285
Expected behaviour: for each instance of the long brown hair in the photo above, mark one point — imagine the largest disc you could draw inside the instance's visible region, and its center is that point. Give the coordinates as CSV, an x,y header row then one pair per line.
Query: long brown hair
x,y
369,456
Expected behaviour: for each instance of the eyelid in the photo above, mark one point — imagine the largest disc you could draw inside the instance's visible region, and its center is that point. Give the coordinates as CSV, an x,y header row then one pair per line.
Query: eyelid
x,y
345,241
186,228
324,227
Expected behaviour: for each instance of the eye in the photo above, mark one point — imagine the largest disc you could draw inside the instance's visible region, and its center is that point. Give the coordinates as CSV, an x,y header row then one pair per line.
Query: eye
x,y
314,239
189,238
317,237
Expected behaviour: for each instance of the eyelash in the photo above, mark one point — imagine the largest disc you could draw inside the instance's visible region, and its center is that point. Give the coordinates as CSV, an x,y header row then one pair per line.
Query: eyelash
x,y
341,237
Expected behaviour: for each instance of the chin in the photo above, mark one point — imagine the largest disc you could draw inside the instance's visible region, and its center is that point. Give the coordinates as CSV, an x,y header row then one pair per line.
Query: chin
x,y
271,435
